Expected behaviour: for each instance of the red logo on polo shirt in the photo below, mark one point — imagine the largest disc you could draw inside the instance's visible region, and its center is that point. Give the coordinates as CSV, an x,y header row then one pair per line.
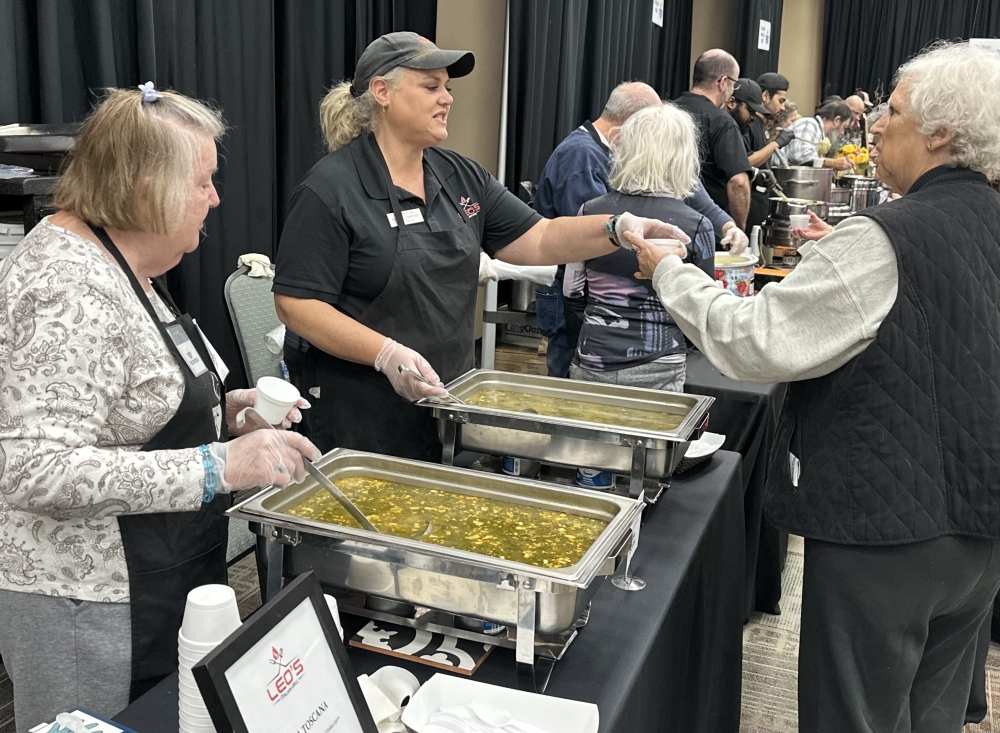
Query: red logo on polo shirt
x,y
471,207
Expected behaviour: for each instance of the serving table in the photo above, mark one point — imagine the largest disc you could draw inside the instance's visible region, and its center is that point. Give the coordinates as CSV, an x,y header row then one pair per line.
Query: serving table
x,y
666,658
747,414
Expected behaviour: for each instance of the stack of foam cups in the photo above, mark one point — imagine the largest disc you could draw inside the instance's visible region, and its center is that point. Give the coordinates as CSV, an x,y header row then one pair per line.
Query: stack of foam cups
x,y
210,616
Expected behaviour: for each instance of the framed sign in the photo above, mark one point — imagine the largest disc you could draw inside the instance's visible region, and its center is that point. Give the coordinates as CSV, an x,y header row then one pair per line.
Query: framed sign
x,y
764,36
285,670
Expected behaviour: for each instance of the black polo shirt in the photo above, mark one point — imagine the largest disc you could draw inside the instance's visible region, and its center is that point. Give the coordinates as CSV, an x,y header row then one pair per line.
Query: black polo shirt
x,y
338,245
723,154
755,138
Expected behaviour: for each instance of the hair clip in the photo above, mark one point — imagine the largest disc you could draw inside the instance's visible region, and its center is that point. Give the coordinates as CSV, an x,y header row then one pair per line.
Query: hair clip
x,y
149,93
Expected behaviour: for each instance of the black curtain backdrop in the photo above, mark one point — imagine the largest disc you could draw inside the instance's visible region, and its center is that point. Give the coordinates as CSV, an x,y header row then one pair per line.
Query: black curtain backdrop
x,y
754,62
865,41
566,57
264,63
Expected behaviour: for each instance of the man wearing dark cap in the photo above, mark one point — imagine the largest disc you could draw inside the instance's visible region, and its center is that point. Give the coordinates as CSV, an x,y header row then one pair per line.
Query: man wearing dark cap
x,y
773,94
746,106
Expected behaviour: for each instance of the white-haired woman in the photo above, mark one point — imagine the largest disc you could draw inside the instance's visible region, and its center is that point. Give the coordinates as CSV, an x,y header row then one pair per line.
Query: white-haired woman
x,y
114,470
887,453
379,255
627,337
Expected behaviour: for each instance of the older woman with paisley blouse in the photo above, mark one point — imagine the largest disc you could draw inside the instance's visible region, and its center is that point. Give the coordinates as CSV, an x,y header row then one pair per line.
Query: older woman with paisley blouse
x,y
114,465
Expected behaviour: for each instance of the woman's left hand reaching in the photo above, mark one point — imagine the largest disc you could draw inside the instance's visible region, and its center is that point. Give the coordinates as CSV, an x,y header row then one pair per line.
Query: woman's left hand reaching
x,y
650,255
646,229
238,399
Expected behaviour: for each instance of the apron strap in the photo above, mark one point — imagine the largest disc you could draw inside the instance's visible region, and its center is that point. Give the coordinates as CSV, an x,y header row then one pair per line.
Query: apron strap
x,y
592,131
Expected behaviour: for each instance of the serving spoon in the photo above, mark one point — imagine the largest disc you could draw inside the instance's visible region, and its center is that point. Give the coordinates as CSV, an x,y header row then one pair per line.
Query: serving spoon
x,y
425,380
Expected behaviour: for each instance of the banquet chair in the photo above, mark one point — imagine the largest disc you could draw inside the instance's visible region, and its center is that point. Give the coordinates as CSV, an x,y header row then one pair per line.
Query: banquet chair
x,y
252,313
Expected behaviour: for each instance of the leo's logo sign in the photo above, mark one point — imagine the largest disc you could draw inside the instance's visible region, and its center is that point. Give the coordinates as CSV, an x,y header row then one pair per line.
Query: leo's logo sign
x,y
288,676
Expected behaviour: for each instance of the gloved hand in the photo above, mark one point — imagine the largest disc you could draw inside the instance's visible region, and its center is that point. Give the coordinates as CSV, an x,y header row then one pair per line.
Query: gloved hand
x,y
388,361
784,137
262,458
237,399
735,240
647,229
486,270
764,178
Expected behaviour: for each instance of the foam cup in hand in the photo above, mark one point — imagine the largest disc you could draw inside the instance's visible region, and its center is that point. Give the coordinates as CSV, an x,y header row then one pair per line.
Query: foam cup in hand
x,y
798,221
665,242
818,162
275,397
211,614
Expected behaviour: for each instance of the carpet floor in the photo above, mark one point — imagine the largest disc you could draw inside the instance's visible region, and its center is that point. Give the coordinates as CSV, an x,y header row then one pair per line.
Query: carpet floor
x,y
770,653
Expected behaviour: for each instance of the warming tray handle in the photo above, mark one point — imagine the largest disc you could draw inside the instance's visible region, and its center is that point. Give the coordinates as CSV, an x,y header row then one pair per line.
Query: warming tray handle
x,y
611,563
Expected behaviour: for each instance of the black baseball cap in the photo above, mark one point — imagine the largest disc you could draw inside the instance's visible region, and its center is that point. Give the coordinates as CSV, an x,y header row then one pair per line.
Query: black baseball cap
x,y
749,93
411,51
773,82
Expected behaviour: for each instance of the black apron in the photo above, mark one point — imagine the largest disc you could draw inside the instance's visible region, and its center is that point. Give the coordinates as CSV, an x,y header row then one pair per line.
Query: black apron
x,y
169,554
428,304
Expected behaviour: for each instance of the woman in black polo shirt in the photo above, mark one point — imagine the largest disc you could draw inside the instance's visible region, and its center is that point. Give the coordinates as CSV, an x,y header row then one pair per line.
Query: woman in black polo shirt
x,y
379,255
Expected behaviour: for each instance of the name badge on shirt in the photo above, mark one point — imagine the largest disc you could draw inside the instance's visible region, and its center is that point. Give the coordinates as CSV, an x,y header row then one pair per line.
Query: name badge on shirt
x,y
187,350
410,216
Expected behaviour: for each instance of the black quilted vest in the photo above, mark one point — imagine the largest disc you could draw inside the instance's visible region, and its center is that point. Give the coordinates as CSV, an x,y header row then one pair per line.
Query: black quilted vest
x,y
902,443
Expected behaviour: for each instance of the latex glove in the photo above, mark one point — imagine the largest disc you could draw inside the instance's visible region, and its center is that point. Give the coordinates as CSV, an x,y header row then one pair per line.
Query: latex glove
x,y
764,178
388,361
486,270
237,399
263,458
735,240
650,255
784,137
538,274
646,229
816,230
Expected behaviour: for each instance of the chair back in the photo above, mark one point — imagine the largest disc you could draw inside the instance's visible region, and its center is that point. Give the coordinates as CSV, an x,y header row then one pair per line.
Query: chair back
x,y
251,310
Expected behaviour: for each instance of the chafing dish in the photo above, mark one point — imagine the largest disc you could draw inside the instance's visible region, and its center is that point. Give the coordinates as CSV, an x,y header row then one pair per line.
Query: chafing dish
x,y
543,604
803,182
566,442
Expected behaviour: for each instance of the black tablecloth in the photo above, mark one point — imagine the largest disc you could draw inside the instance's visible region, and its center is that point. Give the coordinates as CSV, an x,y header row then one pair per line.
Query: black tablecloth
x,y
667,658
747,415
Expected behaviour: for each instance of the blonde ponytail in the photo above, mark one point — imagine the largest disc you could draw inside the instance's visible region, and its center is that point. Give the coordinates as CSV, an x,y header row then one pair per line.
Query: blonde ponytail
x,y
343,117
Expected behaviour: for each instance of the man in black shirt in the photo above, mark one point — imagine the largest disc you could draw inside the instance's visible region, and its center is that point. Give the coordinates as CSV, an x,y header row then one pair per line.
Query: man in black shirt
x,y
773,95
724,166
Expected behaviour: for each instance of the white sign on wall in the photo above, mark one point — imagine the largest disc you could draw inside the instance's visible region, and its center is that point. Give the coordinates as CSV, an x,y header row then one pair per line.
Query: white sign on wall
x,y
658,13
991,43
764,36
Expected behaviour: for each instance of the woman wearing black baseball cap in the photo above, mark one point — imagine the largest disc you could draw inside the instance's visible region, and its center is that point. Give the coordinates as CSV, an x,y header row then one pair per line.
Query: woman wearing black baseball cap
x,y
378,260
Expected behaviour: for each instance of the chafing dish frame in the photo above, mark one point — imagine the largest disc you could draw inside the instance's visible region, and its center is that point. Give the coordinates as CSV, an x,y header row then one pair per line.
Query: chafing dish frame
x,y
542,604
637,452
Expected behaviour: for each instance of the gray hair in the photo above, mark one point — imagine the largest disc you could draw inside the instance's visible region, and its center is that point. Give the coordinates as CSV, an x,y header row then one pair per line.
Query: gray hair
x,y
957,87
343,116
628,98
712,66
656,152
833,109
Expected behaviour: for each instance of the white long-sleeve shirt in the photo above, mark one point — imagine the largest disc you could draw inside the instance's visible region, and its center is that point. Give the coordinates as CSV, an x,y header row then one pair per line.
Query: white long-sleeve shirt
x,y
823,314
85,381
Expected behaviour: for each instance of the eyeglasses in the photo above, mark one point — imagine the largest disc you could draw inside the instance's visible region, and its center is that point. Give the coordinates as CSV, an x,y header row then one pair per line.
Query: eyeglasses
x,y
736,84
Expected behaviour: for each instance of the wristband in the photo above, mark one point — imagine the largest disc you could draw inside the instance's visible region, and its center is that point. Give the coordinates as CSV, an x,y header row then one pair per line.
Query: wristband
x,y
208,463
609,228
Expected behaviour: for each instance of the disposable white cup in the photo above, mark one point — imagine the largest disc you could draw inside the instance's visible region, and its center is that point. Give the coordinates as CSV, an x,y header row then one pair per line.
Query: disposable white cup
x,y
193,719
193,728
665,242
189,685
195,647
798,221
211,614
194,706
275,397
818,162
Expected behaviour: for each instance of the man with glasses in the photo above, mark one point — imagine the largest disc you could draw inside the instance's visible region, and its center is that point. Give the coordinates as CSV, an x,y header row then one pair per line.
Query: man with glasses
x,y
724,165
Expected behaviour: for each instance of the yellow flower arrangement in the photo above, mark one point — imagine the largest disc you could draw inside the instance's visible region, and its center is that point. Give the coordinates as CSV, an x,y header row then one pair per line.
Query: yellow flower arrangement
x,y
857,155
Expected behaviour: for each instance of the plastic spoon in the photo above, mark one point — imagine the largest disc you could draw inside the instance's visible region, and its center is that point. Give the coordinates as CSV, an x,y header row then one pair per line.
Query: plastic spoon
x,y
498,717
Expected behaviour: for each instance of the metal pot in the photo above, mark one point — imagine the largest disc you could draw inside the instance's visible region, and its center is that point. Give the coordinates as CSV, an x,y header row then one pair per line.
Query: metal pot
x,y
779,208
800,182
862,191
839,195
522,296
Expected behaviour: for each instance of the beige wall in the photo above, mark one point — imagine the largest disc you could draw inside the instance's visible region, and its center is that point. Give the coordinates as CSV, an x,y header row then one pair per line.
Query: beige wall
x,y
714,25
800,56
474,120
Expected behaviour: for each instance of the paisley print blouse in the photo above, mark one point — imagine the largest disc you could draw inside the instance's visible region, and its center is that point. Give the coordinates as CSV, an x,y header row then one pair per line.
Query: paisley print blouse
x,y
85,381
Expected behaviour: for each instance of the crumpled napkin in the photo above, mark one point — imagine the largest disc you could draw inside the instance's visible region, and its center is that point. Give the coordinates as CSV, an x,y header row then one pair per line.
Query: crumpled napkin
x,y
275,339
260,265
